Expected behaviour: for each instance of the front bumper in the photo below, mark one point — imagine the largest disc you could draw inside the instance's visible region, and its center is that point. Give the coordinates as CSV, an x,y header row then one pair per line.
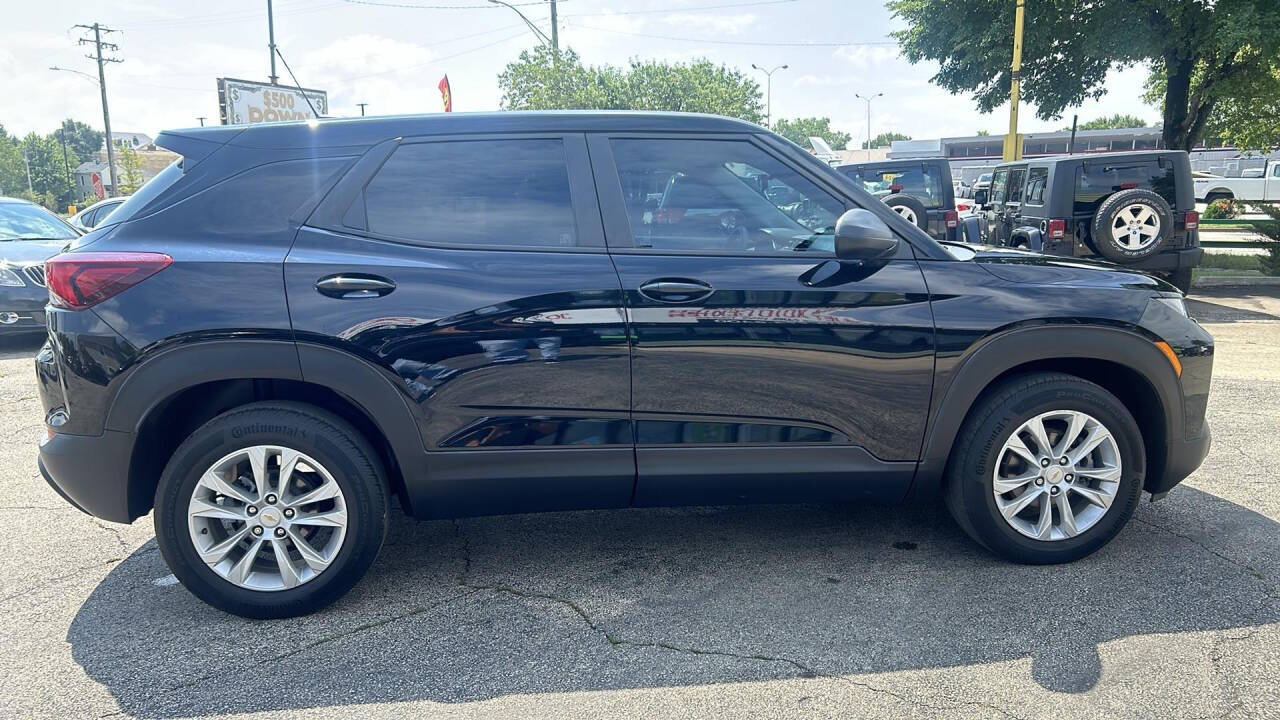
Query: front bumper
x,y
22,309
1184,457
91,472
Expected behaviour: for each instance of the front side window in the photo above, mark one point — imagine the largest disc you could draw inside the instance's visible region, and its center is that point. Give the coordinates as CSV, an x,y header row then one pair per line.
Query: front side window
x,y
999,183
475,192
1014,193
922,182
720,195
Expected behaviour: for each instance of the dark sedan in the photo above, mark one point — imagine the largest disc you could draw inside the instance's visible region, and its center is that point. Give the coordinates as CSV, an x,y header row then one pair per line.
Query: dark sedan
x,y
29,235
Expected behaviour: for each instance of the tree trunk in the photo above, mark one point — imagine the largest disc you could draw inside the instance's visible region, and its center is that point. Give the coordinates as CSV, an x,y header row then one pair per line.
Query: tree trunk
x,y
1177,95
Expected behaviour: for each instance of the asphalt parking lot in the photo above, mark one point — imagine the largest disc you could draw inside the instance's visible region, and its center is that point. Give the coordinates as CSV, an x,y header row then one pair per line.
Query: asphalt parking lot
x,y
739,612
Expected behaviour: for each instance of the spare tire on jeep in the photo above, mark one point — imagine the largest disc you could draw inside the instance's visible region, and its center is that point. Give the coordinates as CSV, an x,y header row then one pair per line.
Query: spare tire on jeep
x,y
1132,225
909,208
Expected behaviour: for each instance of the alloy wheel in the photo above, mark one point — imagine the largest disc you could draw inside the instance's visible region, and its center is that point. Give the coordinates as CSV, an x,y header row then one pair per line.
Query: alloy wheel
x,y
267,517
1136,227
1057,475
906,212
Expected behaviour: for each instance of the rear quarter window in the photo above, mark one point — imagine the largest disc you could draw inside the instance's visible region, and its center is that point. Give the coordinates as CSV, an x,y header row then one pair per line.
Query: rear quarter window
x,y
1096,180
262,200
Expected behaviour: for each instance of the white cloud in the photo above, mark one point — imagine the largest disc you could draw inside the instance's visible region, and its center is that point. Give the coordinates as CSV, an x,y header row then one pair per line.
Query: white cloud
x,y
719,24
868,56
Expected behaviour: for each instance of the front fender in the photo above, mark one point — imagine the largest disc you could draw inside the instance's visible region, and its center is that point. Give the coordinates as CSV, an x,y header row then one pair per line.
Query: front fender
x,y
1004,352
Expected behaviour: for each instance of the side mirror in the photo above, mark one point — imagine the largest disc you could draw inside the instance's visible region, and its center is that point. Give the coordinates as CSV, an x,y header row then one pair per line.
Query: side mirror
x,y
860,235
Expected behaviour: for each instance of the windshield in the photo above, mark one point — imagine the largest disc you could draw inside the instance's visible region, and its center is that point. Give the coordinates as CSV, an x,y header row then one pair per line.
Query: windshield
x,y
984,177
24,221
148,192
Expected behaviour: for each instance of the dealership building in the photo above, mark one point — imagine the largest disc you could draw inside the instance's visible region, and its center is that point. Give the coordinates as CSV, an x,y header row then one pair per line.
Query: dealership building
x,y
973,155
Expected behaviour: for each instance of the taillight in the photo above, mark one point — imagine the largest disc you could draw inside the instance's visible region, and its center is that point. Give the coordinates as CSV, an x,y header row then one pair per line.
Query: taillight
x,y
81,280
1192,220
1057,229
953,218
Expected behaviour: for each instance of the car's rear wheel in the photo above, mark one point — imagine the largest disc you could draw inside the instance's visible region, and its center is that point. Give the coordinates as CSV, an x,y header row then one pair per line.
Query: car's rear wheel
x,y
1132,225
1047,469
271,510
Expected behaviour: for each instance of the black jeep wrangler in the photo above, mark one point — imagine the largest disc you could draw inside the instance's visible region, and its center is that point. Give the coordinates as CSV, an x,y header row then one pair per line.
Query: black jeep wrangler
x,y
919,190
1136,209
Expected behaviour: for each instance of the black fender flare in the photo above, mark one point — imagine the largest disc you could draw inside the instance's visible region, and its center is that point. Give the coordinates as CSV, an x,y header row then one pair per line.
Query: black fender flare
x,y
359,381
998,354
1035,240
971,230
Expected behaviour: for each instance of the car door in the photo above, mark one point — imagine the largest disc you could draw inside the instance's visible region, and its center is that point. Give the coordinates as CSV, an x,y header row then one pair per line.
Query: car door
x,y
763,369
472,271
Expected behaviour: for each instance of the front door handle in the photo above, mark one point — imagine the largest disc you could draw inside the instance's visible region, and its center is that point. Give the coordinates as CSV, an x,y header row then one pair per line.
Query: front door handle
x,y
676,290
353,287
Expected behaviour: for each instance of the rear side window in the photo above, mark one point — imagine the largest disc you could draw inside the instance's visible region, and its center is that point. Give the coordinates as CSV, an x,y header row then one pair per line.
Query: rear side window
x,y
475,192
923,182
1037,178
261,201
1097,180
148,192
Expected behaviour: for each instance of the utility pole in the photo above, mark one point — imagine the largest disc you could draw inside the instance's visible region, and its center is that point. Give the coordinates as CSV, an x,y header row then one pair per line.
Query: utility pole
x,y
362,108
869,98
271,42
768,93
542,37
555,29
202,118
98,45
27,162
1071,148
1012,142
66,164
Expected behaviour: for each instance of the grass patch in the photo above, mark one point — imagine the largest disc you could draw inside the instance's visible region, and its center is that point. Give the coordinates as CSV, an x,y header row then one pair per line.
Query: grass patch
x,y
1229,261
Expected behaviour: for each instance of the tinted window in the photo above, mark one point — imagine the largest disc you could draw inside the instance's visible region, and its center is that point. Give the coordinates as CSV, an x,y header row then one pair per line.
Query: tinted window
x,y
1036,181
1096,180
720,195
475,192
148,192
922,182
1014,192
998,185
259,201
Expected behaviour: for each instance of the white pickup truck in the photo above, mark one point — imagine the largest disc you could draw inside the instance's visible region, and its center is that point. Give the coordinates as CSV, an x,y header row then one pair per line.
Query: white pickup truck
x,y
1265,188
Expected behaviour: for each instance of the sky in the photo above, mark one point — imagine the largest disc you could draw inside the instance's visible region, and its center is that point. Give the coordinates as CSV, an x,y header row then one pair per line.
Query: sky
x,y
392,53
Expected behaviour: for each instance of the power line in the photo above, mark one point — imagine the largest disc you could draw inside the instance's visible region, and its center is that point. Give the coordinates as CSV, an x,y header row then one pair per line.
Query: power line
x,y
651,11
751,43
408,6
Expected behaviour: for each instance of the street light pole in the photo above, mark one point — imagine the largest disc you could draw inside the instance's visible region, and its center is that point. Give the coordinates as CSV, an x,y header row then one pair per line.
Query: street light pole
x,y
768,93
555,44
271,41
868,98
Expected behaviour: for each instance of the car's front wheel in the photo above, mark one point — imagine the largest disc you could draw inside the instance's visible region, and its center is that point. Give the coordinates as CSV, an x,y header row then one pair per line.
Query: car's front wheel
x,y
1047,469
271,510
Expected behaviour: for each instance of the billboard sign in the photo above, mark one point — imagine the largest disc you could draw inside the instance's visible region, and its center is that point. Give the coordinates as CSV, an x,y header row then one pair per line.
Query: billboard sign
x,y
245,102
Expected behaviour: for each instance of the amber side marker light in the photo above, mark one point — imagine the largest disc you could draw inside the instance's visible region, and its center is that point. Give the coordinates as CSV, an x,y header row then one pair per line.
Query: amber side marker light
x,y
1171,355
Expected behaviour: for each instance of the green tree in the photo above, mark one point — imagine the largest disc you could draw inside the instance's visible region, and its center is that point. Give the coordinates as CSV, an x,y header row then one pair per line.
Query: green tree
x,y
13,175
1112,122
542,79
885,139
82,140
1201,49
800,130
1270,231
130,171
983,133
49,179
1249,118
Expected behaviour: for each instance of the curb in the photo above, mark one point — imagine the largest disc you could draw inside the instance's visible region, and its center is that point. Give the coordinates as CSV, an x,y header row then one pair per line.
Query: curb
x,y
1236,281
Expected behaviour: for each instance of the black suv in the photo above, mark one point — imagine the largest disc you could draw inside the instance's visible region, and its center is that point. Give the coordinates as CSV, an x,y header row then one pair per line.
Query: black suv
x,y
512,312
1137,209
919,190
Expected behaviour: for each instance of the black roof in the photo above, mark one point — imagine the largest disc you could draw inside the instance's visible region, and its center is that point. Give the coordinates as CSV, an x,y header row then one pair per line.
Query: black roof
x,y
1084,157
369,130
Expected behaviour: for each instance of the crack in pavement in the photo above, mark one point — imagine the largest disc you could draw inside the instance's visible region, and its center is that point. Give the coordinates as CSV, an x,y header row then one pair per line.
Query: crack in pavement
x,y
804,671
1256,573
58,579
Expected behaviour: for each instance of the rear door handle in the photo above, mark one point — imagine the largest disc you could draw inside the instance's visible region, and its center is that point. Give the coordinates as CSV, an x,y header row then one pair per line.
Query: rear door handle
x,y
675,290
353,287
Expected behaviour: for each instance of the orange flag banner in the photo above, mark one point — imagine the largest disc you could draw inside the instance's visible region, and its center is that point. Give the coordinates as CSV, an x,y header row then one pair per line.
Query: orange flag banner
x,y
445,94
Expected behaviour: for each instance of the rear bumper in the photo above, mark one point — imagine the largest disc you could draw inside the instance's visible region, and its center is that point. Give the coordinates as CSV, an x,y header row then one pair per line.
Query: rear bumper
x,y
90,472
1172,260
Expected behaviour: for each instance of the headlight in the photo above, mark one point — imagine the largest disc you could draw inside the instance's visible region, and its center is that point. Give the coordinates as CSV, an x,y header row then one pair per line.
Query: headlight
x,y
1174,303
9,278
